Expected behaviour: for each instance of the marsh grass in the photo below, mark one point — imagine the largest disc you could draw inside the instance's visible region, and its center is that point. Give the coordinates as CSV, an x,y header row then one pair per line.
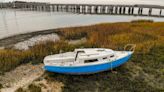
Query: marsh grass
x,y
10,58
143,72
34,88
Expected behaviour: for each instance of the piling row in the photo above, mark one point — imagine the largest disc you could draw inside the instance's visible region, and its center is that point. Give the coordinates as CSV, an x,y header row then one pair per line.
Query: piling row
x,y
136,10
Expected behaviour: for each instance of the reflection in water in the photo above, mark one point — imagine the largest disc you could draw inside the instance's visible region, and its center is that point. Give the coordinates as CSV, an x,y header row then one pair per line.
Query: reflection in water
x,y
15,22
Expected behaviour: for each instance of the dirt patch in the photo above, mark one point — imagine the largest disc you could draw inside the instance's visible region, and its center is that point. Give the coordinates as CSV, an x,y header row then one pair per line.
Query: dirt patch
x,y
21,76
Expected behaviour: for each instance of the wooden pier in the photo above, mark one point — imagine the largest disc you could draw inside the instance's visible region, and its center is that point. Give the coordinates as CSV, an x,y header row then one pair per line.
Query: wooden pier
x,y
133,10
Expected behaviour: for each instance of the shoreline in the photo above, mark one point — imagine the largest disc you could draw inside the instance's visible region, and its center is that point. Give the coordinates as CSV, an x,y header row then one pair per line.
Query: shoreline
x,y
7,41
13,39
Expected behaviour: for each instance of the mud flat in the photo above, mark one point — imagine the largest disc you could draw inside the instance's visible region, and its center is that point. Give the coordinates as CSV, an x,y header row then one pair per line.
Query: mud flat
x,y
33,36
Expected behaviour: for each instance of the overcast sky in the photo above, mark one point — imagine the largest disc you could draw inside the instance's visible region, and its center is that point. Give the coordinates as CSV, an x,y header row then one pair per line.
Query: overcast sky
x,y
155,2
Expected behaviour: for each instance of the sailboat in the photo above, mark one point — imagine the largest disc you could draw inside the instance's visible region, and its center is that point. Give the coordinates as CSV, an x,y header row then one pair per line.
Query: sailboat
x,y
86,60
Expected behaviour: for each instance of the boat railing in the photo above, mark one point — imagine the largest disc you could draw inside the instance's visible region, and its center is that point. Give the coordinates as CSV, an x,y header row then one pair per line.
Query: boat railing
x,y
130,47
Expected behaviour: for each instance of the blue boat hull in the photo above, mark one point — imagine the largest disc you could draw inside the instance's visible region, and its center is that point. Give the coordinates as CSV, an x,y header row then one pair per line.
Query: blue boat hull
x,y
87,69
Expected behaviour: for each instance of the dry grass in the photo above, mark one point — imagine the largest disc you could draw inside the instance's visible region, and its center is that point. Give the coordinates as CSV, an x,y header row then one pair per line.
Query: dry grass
x,y
143,73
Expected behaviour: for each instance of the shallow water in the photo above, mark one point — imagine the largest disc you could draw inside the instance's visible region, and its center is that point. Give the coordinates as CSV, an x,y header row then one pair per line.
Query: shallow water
x,y
14,22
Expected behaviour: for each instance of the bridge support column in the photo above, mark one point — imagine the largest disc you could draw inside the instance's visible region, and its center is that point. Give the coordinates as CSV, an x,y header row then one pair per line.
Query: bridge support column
x,y
124,10
32,7
71,8
111,10
107,9
89,9
39,8
64,8
48,7
150,11
120,10
75,8
67,8
53,8
1,5
35,7
140,10
160,13
129,11
132,12
24,6
29,7
96,8
116,9
100,9
57,8
83,9
45,8
104,9
78,9
60,8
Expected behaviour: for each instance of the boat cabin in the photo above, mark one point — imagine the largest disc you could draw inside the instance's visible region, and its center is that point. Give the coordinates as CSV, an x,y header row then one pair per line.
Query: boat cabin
x,y
81,56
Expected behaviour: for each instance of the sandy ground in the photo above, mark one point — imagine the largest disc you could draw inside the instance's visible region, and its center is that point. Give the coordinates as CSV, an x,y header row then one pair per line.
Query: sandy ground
x,y
20,77
24,45
47,86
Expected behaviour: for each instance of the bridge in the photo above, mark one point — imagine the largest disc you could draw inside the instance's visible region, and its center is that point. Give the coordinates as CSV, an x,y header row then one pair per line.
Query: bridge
x,y
99,9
